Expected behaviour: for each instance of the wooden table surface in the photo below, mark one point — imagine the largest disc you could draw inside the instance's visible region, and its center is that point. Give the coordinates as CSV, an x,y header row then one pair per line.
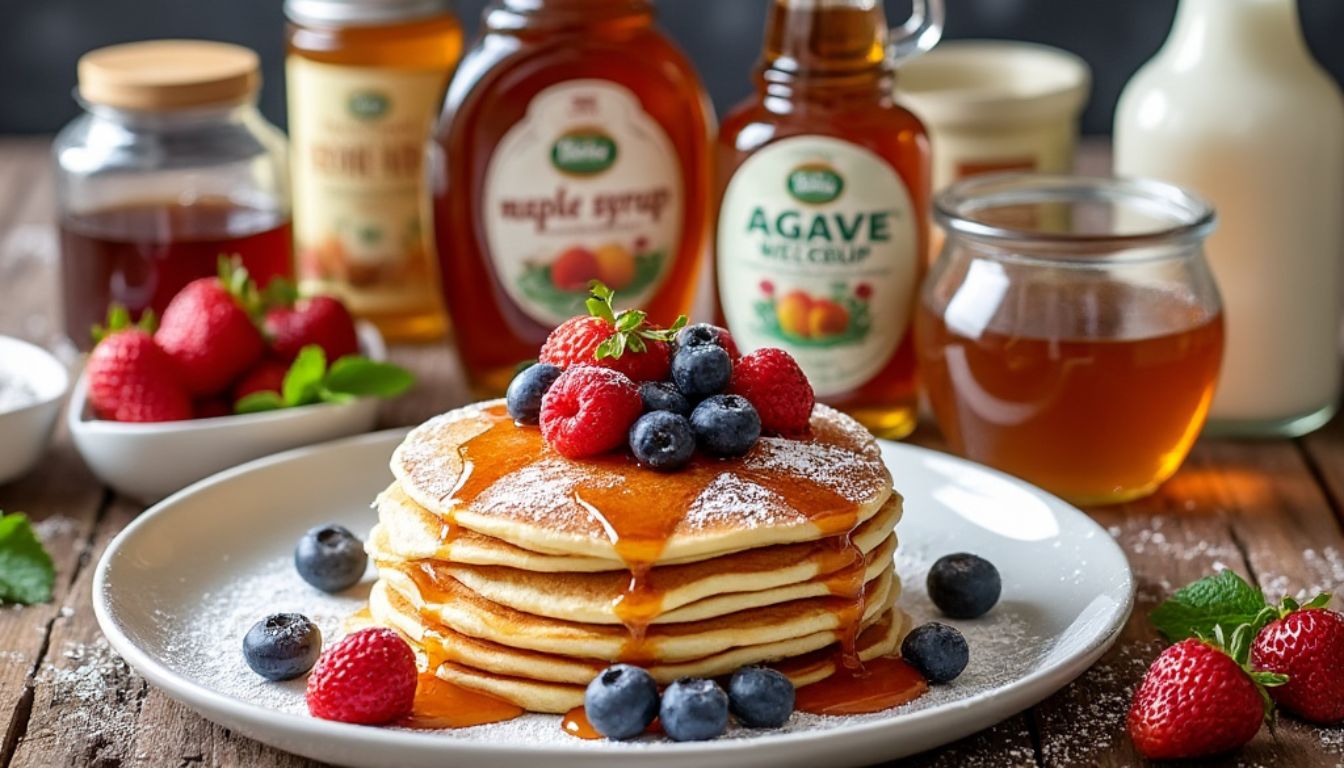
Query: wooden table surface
x,y
1268,510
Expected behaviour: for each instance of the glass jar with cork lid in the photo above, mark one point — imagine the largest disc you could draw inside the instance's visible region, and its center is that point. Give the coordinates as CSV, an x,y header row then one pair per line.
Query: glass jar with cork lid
x,y
170,167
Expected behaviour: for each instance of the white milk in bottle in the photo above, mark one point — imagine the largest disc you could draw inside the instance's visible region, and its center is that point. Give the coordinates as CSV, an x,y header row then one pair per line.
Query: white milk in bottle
x,y
1234,108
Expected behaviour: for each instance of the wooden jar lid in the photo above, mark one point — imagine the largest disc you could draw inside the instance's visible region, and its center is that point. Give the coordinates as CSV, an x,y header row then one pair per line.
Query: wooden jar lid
x,y
168,74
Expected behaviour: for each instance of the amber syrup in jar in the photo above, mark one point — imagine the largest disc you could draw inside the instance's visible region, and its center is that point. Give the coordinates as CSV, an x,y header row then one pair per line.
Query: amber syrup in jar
x,y
824,202
139,255
575,147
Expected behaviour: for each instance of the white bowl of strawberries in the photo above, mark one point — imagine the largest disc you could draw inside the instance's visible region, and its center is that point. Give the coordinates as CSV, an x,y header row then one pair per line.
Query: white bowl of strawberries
x,y
229,375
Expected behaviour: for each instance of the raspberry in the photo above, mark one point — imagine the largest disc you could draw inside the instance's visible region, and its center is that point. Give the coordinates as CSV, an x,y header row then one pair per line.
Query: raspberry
x,y
367,678
576,341
773,382
589,410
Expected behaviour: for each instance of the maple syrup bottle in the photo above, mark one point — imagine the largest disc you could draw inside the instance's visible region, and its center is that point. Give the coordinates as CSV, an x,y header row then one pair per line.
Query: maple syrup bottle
x,y
824,206
574,146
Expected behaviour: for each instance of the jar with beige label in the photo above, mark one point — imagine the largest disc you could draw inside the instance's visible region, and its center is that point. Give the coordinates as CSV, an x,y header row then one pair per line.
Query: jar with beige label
x,y
365,81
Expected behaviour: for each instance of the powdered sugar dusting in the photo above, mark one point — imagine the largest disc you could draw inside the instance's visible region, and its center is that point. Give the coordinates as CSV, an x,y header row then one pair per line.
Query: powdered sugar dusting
x,y
207,648
732,500
208,644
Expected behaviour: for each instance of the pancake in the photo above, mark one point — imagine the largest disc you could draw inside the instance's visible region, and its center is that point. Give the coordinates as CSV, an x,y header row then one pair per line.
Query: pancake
x,y
407,531
436,643
685,592
880,639
476,471
452,605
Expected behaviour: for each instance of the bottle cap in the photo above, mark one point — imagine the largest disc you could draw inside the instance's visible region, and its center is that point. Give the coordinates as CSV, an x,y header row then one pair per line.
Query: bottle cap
x,y
168,74
362,12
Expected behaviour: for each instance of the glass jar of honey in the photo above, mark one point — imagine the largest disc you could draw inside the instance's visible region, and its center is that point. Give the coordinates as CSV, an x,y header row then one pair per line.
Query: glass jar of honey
x,y
366,78
1070,332
574,146
170,167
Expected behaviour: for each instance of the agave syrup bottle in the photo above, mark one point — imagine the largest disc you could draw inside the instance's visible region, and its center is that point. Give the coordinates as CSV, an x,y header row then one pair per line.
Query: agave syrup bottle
x,y
574,146
824,201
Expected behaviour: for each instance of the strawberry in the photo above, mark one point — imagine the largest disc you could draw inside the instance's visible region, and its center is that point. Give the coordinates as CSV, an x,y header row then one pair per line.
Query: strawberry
x,y
320,320
622,341
589,410
1198,699
208,330
266,376
369,677
1307,644
129,378
771,380
211,408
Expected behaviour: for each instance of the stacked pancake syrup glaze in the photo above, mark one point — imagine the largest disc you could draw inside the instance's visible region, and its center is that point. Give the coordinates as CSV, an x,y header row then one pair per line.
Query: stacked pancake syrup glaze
x,y
520,552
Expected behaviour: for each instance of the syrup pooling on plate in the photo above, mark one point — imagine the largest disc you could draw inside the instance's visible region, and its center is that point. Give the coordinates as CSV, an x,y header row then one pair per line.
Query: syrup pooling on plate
x,y
882,683
640,509
440,704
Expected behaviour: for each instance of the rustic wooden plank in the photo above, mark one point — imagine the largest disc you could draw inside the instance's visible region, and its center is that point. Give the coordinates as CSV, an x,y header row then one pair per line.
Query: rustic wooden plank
x,y
1006,745
29,305
63,501
1324,453
1251,507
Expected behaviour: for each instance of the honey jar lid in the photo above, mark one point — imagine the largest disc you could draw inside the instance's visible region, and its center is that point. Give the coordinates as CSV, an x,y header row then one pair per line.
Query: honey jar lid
x,y
362,12
168,74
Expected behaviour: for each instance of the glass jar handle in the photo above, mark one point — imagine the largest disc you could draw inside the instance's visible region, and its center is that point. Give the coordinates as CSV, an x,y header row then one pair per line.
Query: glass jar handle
x,y
919,33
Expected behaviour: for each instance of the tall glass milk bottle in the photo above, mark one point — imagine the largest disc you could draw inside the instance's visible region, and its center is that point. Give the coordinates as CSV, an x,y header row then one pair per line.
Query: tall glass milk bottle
x,y
1234,107
824,206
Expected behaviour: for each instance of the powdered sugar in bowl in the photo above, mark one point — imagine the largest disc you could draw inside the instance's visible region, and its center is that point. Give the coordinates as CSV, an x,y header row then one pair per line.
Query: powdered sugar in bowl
x,y
32,385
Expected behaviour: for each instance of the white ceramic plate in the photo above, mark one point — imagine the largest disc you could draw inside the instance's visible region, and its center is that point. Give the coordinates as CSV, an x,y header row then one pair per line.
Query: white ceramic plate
x,y
178,588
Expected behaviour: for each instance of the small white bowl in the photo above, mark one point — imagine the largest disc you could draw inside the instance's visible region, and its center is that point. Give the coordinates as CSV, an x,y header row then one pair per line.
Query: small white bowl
x,y
150,461
25,430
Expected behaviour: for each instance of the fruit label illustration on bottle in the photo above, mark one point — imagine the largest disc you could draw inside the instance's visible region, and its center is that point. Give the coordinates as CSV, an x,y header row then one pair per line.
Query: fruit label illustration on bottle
x,y
585,187
359,178
817,254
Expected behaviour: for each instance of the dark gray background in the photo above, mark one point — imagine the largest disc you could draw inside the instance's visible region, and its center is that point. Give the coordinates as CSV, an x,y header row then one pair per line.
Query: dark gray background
x,y
41,39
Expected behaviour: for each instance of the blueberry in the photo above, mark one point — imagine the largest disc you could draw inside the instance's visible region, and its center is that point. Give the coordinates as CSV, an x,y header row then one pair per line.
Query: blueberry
x,y
726,425
964,586
760,697
621,701
938,651
282,646
701,371
330,558
699,335
662,440
663,396
526,389
694,709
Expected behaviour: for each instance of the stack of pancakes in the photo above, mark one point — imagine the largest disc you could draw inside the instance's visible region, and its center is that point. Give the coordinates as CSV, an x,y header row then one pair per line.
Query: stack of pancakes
x,y
515,571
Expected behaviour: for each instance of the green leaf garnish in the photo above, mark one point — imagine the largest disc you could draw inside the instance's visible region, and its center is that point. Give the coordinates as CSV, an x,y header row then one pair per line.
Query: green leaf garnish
x,y
1221,602
304,380
632,329
309,381
362,377
258,402
27,573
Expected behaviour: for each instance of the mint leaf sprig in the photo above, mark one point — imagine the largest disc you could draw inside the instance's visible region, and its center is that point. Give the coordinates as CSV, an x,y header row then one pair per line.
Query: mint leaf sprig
x,y
310,381
1221,601
632,328
27,573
